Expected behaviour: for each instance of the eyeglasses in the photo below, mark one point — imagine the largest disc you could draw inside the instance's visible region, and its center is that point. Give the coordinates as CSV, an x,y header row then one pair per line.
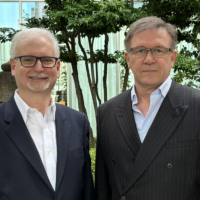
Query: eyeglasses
x,y
30,61
156,52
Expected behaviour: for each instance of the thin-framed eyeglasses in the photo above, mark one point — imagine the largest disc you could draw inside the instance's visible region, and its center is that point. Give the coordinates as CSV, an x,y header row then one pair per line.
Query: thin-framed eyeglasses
x,y
30,61
156,51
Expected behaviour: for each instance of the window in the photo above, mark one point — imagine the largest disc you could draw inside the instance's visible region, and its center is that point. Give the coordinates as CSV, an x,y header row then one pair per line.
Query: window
x,y
12,14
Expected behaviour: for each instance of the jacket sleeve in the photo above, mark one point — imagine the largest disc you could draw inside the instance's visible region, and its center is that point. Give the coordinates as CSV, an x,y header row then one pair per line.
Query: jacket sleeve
x,y
88,190
102,186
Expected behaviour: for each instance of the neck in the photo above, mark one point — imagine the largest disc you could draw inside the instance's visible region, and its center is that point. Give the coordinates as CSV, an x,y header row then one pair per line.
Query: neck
x,y
38,100
143,95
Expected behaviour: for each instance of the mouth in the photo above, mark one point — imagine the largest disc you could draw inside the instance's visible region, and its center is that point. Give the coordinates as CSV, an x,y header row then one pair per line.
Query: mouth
x,y
35,78
38,78
150,71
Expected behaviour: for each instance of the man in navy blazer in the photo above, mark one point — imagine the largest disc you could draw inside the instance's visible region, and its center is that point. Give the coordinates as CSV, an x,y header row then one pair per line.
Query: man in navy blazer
x,y
44,147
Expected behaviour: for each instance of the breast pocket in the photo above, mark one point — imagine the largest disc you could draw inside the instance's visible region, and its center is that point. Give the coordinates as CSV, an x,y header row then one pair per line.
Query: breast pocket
x,y
183,143
4,187
77,152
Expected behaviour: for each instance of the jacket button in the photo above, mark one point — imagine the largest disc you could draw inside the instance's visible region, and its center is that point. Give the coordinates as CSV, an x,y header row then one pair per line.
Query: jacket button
x,y
123,198
113,162
169,165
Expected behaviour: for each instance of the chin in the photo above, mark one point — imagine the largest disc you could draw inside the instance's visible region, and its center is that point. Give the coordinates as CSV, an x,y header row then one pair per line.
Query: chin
x,y
35,88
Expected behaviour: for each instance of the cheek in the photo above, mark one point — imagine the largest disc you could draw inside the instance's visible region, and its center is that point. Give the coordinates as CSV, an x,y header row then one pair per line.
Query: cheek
x,y
136,67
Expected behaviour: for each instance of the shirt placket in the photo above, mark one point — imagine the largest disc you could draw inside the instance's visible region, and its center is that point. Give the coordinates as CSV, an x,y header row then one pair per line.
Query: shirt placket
x,y
49,156
50,163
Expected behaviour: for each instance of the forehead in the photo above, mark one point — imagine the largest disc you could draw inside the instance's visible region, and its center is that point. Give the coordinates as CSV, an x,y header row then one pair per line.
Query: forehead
x,y
36,45
151,38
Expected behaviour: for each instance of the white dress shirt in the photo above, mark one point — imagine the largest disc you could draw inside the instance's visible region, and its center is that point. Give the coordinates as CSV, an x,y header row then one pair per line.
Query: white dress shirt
x,y
143,123
43,132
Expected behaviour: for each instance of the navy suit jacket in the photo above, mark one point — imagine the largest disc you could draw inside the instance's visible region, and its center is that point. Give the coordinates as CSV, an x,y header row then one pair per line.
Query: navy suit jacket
x,y
22,174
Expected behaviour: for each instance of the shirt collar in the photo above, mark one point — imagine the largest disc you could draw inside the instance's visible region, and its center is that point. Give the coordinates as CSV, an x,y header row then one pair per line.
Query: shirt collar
x,y
23,107
163,89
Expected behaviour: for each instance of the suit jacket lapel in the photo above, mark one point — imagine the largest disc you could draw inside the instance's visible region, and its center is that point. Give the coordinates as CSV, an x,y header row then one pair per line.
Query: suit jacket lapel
x,y
127,124
19,134
63,137
168,118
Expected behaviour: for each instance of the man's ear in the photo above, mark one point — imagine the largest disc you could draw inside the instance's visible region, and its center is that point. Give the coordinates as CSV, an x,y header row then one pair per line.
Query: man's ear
x,y
127,58
58,68
174,56
13,65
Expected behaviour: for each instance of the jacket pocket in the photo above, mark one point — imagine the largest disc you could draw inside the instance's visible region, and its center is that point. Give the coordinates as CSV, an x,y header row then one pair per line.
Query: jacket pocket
x,y
4,187
183,143
77,151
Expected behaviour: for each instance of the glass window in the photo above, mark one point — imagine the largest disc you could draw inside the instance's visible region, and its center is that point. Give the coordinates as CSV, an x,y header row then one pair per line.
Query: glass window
x,y
138,4
9,15
10,18
32,9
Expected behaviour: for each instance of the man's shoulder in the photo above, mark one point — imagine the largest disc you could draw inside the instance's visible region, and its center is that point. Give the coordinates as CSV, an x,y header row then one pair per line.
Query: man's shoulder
x,y
2,108
9,104
118,100
184,94
2,105
69,111
185,90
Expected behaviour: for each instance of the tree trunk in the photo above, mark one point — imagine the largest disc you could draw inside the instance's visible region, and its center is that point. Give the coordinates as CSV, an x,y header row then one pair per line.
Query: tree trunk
x,y
105,67
92,86
125,83
79,93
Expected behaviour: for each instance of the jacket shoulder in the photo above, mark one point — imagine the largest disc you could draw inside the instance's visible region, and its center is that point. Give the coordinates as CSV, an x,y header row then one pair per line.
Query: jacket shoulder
x,y
117,101
69,111
186,91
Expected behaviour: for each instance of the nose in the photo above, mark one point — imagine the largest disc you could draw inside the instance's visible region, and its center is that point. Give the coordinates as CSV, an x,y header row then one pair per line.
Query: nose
x,y
149,59
38,66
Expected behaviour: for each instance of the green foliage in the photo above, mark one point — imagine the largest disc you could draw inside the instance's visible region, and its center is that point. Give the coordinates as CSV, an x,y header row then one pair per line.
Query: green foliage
x,y
64,77
93,160
6,34
186,71
124,71
93,17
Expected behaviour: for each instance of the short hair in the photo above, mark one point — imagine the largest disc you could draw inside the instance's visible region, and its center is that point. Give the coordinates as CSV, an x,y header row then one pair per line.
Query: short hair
x,y
28,33
150,23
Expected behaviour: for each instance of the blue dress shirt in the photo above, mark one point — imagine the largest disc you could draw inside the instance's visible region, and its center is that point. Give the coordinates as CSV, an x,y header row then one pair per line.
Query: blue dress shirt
x,y
143,123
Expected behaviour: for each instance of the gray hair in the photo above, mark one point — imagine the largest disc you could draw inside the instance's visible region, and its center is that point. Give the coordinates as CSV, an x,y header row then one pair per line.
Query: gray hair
x,y
29,33
150,23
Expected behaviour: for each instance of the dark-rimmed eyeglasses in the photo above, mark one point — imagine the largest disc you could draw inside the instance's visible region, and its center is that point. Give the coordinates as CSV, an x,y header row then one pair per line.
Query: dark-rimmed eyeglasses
x,y
156,51
30,61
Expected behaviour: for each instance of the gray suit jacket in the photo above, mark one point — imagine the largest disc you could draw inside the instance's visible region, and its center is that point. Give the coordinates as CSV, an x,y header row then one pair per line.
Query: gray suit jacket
x,y
167,164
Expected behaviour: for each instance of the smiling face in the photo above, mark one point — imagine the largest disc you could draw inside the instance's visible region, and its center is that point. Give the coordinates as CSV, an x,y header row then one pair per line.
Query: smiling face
x,y
150,72
36,79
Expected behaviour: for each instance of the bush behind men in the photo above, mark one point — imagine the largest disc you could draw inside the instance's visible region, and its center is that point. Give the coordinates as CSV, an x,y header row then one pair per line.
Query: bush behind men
x,y
148,138
44,149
